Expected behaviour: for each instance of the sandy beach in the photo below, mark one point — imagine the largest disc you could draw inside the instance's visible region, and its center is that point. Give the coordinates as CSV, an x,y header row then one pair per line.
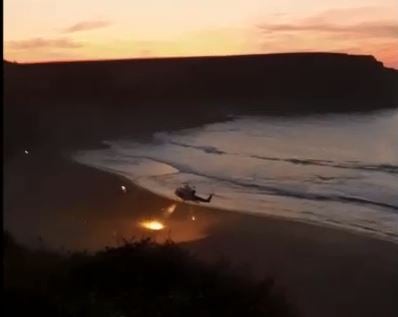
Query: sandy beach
x,y
54,202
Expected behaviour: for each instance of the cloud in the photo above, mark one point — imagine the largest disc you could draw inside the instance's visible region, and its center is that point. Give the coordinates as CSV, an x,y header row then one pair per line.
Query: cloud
x,y
365,13
370,29
39,43
87,25
363,30
370,22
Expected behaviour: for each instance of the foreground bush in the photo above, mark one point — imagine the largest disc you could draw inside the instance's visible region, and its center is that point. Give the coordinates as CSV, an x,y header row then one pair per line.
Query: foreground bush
x,y
140,278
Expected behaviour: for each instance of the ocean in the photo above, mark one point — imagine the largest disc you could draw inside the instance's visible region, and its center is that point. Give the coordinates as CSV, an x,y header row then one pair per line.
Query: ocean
x,y
336,170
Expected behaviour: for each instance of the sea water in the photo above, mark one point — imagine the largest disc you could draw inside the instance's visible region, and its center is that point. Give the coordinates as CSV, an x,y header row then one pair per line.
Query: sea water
x,y
336,169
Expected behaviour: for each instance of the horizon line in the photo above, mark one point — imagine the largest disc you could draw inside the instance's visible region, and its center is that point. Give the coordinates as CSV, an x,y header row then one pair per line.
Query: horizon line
x,y
173,57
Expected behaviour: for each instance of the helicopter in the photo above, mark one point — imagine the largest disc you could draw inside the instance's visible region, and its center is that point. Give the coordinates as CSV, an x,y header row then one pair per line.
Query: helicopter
x,y
188,193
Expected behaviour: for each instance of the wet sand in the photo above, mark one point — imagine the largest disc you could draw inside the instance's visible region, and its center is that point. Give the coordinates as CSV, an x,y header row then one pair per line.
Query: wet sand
x,y
52,201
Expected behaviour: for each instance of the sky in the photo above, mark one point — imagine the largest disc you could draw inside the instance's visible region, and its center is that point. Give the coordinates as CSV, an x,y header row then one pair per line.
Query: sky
x,y
54,30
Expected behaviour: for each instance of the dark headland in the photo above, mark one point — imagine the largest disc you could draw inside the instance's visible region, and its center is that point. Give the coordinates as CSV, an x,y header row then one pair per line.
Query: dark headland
x,y
118,96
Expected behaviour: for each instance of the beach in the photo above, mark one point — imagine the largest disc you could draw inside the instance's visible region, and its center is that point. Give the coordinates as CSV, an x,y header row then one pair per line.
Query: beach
x,y
207,158
51,201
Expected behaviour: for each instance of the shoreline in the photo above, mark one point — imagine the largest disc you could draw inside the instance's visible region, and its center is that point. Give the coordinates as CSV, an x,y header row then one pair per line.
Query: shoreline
x,y
133,186
325,271
356,231
292,243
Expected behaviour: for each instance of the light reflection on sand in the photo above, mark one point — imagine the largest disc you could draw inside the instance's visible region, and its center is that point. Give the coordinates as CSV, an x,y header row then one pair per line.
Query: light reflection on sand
x,y
338,170
180,224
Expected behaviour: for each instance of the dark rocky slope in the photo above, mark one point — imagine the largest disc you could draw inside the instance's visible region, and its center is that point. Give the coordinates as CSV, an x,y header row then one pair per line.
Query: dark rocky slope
x,y
56,102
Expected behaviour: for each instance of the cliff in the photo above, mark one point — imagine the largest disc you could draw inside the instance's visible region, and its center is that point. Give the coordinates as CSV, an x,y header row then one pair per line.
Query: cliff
x,y
63,99
287,77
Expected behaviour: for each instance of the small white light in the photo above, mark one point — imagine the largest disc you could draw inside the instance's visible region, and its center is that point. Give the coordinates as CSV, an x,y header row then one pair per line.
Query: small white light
x,y
193,218
124,189
26,152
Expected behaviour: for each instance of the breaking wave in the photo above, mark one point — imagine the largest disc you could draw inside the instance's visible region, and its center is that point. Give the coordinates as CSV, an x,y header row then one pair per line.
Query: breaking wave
x,y
334,170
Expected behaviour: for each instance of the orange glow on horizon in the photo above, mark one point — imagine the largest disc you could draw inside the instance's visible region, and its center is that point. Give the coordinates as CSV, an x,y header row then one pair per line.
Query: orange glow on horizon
x,y
59,30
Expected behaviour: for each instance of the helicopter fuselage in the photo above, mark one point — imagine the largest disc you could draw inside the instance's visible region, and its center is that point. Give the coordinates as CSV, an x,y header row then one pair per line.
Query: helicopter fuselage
x,y
189,194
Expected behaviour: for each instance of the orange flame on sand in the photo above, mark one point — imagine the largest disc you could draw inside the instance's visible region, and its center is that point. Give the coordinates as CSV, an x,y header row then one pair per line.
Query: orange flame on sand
x,y
170,209
152,225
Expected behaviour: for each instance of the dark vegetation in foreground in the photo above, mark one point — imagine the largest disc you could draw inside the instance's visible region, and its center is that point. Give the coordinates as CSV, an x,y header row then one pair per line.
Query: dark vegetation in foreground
x,y
139,278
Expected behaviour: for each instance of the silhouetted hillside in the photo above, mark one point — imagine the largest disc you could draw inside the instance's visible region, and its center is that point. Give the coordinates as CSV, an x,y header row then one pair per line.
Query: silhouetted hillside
x,y
287,77
53,102
138,279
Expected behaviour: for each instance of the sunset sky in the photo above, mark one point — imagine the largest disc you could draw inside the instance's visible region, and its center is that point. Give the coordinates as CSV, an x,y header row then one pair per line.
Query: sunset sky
x,y
50,30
